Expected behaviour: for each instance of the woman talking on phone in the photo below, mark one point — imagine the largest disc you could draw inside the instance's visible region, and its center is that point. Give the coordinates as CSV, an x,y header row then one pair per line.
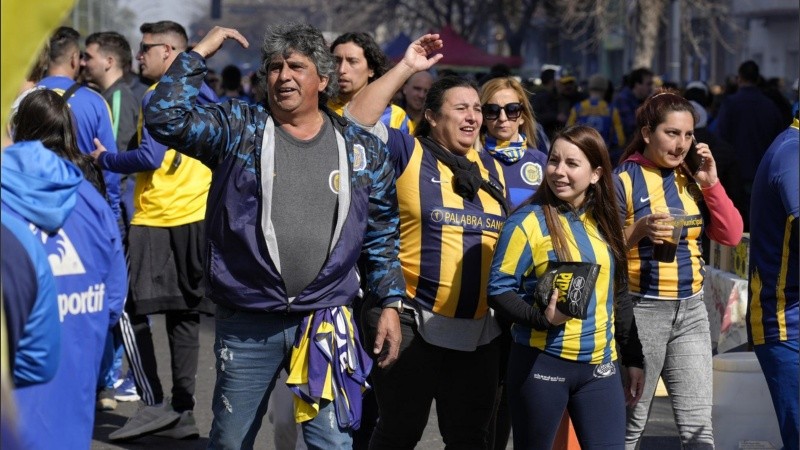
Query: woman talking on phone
x,y
654,174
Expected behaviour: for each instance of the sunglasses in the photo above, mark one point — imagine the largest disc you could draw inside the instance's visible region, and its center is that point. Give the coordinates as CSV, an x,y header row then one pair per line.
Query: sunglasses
x,y
491,111
144,48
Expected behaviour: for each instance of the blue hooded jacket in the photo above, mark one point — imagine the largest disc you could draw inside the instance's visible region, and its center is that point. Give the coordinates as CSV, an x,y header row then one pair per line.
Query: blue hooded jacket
x,y
86,258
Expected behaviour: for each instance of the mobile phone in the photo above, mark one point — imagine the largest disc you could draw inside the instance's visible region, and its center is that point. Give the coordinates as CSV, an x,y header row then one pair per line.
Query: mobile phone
x,y
692,159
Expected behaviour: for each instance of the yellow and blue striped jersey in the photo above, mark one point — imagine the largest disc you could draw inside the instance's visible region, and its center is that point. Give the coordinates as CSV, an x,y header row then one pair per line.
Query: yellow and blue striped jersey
x,y
446,241
521,257
773,309
601,116
641,189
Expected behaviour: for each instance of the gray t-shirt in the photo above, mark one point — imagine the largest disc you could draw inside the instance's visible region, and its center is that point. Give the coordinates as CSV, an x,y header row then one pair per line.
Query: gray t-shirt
x,y
304,201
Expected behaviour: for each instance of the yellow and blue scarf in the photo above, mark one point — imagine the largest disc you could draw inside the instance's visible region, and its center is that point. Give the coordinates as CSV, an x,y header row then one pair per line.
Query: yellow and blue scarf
x,y
328,362
506,151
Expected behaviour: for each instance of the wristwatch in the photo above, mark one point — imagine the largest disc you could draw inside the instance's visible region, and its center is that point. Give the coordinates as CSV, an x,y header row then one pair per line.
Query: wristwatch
x,y
398,305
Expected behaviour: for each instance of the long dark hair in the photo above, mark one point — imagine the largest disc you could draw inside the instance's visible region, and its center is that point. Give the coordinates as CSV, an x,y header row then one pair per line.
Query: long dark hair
x,y
652,113
600,201
43,115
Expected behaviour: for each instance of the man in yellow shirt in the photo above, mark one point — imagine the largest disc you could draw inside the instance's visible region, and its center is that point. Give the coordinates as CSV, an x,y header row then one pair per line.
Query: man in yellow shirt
x,y
166,254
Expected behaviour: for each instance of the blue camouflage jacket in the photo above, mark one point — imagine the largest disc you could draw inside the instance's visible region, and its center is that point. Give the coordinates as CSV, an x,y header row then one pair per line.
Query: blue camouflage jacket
x,y
235,140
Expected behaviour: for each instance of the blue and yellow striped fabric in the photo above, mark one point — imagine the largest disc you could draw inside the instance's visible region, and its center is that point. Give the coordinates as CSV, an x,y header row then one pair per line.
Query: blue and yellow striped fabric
x,y
446,241
640,191
328,363
523,252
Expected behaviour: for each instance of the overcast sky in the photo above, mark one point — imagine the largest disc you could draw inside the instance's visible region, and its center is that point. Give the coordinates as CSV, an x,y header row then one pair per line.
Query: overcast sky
x,y
181,11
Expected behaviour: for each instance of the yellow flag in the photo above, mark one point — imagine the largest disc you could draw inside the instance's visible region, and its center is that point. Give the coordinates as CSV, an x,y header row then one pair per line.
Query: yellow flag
x,y
25,25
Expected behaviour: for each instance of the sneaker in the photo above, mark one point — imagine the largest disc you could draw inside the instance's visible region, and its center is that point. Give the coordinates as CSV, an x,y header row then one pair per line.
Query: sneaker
x,y
186,428
147,420
105,400
126,389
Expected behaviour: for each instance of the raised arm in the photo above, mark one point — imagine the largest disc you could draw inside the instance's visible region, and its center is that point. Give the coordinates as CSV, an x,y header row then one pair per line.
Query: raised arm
x,y
175,116
213,41
368,105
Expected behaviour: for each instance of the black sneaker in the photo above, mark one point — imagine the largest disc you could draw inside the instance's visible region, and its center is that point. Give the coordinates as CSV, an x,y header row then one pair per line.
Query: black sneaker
x,y
147,420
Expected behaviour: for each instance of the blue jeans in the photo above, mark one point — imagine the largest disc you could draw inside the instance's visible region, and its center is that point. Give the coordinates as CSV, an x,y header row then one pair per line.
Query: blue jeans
x,y
780,362
677,346
250,349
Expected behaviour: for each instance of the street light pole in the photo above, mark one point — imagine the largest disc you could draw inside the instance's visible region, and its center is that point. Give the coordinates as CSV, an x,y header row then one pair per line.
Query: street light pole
x,y
675,43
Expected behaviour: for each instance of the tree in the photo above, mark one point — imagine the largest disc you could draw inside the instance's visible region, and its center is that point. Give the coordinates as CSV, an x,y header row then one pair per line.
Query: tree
x,y
515,18
648,14
472,19
591,20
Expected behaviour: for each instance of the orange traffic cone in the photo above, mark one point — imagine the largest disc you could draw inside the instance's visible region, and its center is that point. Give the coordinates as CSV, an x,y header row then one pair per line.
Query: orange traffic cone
x,y
565,436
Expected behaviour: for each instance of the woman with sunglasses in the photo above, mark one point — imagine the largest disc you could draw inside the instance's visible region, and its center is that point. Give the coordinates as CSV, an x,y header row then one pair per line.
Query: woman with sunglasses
x,y
558,362
509,136
509,141
451,210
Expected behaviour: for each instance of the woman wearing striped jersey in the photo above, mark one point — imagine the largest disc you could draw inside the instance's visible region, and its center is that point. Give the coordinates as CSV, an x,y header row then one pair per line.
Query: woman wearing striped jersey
x,y
558,362
450,218
669,308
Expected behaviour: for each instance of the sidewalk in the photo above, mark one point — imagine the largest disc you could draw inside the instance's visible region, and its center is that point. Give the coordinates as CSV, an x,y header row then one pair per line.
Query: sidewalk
x,y
660,434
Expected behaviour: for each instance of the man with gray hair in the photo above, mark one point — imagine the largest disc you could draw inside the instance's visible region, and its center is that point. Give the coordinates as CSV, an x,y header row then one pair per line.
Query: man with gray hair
x,y
298,195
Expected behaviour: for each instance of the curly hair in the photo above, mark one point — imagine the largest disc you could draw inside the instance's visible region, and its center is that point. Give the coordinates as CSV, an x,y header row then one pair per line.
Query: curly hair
x,y
283,40
376,59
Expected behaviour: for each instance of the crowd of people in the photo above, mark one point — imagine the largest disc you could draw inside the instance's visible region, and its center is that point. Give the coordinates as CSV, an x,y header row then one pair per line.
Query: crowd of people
x,y
371,239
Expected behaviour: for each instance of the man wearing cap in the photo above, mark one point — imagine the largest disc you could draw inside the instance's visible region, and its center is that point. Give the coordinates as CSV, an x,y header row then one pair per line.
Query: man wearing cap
x,y
568,95
598,114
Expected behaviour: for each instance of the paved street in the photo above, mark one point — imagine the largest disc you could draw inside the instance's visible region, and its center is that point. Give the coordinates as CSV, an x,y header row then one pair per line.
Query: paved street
x,y
660,434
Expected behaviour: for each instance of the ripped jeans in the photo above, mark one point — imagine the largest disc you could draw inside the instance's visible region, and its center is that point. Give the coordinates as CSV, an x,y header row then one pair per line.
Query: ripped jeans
x,y
251,348
677,346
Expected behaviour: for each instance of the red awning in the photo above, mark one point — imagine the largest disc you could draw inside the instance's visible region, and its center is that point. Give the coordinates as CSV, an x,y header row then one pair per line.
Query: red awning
x,y
460,53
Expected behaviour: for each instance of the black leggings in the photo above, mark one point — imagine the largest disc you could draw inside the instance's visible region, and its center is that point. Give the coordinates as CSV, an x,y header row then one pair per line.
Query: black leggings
x,y
541,386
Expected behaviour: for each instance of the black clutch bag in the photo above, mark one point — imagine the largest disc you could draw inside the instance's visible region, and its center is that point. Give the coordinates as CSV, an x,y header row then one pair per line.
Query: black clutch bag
x,y
575,283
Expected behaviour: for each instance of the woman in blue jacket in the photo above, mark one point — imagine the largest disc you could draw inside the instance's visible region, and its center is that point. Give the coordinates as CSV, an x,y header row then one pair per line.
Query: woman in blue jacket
x,y
79,231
